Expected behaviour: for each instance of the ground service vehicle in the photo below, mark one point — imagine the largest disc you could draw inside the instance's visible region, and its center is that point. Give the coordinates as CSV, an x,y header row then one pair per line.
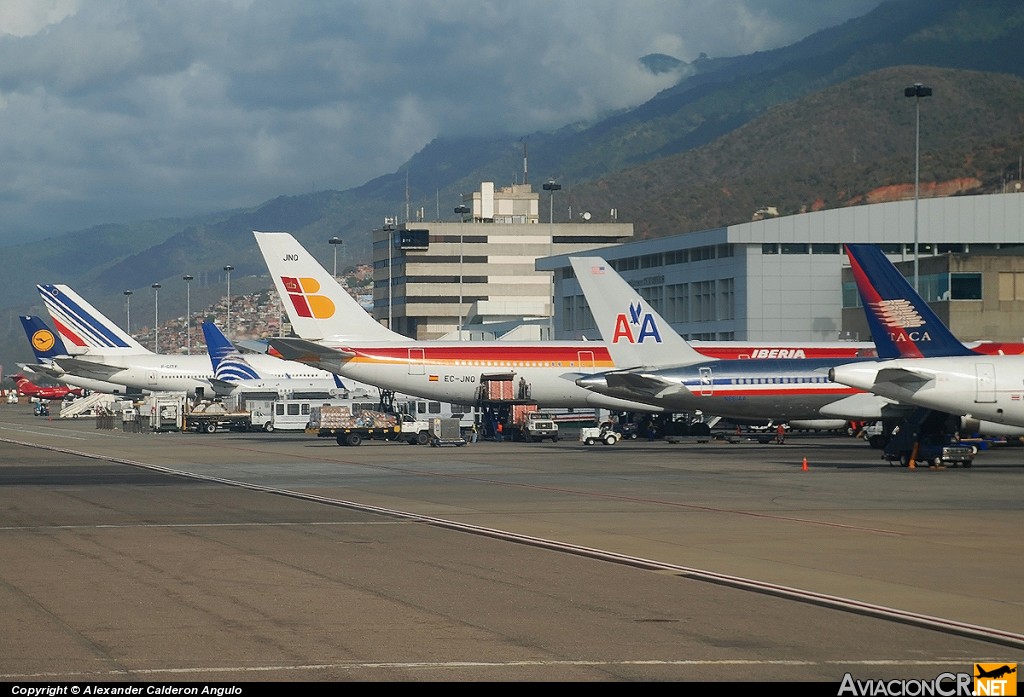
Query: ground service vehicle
x,y
207,417
414,431
446,432
933,449
536,426
346,428
927,437
591,434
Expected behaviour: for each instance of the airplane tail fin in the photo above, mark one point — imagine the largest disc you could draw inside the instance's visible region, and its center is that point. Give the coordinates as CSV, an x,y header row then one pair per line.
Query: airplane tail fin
x,y
902,325
635,333
83,326
317,305
46,344
228,363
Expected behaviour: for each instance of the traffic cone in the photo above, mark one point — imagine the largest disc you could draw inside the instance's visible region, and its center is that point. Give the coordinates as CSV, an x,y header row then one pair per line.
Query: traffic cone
x,y
804,466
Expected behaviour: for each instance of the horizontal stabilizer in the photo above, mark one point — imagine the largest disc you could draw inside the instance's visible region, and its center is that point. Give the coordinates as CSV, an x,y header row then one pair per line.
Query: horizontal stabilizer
x,y
88,369
907,378
312,353
651,385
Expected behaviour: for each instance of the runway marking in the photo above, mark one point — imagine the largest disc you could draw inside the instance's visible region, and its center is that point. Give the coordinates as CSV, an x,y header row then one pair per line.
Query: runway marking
x,y
55,434
14,528
940,624
449,665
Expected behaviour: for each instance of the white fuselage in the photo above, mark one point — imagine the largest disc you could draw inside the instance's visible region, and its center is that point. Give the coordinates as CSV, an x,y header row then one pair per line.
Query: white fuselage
x,y
151,372
989,388
456,371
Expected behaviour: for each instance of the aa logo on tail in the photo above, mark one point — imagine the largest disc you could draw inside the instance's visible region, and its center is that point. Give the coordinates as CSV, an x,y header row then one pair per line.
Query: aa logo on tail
x,y
646,327
42,340
304,294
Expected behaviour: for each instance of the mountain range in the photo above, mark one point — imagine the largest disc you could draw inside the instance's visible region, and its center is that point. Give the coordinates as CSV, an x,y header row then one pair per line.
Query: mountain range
x,y
820,123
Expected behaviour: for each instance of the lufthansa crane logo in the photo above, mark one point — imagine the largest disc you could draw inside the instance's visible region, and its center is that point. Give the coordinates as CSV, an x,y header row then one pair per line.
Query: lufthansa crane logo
x,y
43,340
637,327
305,297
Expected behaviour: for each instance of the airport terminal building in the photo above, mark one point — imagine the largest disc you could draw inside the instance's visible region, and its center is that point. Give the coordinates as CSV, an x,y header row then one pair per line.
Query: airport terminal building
x,y
776,279
478,273
787,278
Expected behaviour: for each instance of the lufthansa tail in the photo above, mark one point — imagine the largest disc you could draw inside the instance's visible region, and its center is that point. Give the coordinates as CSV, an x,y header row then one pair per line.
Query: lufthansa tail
x,y
902,325
46,344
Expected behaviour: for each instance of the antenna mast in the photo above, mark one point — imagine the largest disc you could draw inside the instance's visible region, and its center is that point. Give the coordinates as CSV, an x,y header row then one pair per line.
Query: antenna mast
x,y
526,178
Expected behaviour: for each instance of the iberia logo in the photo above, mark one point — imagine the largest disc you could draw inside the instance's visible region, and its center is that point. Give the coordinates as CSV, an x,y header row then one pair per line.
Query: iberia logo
x,y
995,679
646,328
303,293
42,340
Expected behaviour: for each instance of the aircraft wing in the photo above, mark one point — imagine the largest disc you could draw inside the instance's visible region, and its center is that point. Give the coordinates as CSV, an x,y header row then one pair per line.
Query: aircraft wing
x,y
223,388
903,377
312,353
46,369
253,345
647,385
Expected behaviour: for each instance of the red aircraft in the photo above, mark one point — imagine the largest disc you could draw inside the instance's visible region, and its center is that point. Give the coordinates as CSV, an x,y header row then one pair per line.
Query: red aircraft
x,y
30,389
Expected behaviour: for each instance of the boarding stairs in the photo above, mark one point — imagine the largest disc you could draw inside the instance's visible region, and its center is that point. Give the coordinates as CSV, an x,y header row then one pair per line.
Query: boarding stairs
x,y
87,406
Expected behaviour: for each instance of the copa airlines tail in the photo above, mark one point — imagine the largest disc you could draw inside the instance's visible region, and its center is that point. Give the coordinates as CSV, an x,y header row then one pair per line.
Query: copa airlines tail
x,y
318,306
902,324
228,364
635,333
82,326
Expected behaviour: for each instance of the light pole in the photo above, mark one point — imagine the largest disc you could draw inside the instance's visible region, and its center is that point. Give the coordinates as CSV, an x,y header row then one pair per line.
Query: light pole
x,y
156,318
229,268
461,210
188,313
917,90
128,309
551,187
335,241
389,228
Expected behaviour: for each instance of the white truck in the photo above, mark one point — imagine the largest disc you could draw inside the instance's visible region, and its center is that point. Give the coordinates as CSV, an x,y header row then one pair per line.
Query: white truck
x,y
415,432
538,425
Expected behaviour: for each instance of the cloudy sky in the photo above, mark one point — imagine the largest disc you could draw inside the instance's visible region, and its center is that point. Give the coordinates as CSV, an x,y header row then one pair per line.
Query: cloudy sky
x,y
122,110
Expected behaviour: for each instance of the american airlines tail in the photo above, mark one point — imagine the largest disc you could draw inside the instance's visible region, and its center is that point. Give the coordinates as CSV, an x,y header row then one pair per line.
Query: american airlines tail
x,y
82,326
902,325
317,305
635,333
228,364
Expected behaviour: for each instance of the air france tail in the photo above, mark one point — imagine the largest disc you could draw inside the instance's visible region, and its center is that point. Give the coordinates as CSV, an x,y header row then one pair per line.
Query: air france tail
x,y
902,325
82,326
635,333
228,364
317,305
